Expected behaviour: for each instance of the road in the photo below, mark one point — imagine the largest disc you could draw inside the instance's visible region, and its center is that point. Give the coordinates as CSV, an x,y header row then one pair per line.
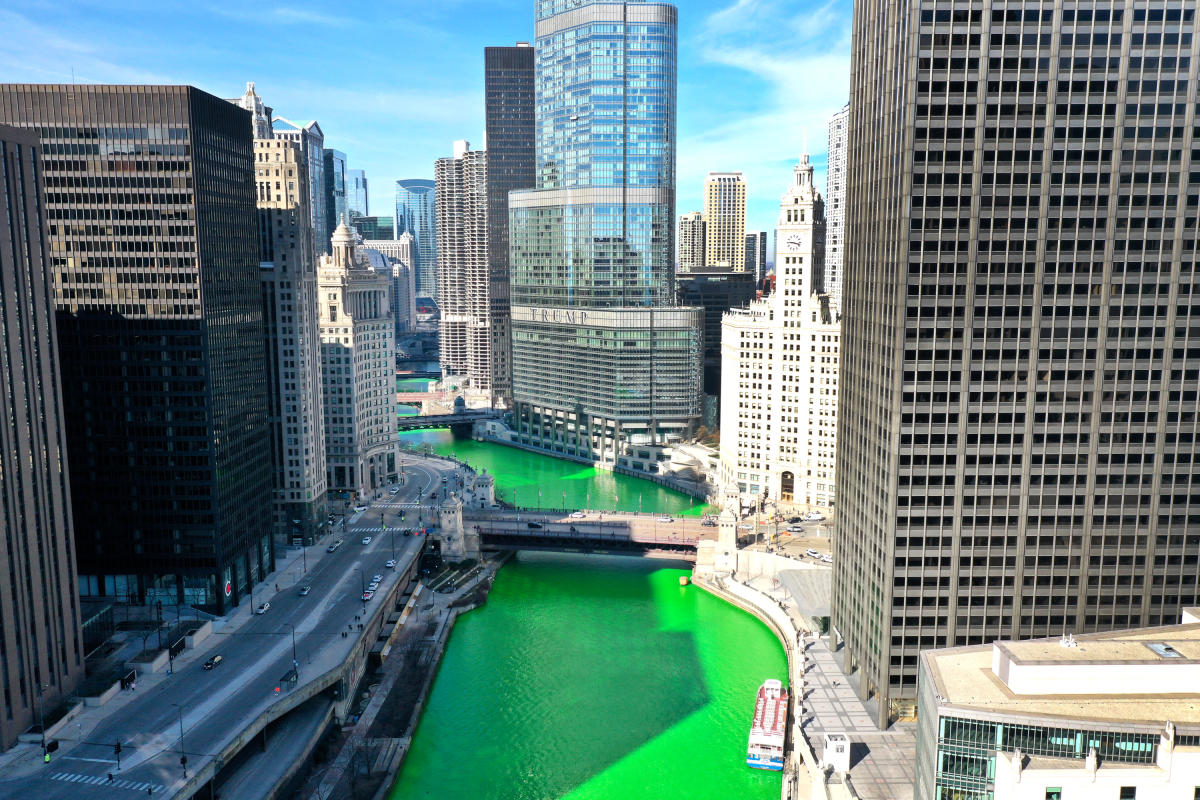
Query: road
x,y
215,706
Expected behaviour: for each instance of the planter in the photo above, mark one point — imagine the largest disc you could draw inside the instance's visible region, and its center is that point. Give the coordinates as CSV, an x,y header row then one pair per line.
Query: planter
x,y
103,697
149,667
200,634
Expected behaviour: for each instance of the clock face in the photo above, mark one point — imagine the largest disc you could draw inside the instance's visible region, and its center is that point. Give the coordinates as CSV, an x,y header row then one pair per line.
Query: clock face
x,y
794,242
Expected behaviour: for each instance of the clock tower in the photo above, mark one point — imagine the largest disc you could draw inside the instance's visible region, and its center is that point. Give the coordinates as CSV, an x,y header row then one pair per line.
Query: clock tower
x,y
800,238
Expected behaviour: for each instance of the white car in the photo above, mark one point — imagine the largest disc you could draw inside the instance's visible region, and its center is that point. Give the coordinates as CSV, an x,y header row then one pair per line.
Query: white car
x,y
394,490
264,608
360,509
666,519
391,564
812,553
577,515
828,559
372,586
813,516
745,526
377,578
366,540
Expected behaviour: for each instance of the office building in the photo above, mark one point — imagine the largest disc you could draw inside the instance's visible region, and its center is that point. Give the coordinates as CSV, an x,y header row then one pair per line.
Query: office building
x,y
1014,437
358,370
756,254
715,291
603,361
464,278
288,274
691,242
334,165
41,644
400,254
835,205
375,228
779,370
416,214
160,333
261,123
509,128
356,194
311,140
1102,715
725,221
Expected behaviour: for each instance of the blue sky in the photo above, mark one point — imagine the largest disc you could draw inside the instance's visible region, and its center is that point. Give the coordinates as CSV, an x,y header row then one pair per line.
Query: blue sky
x,y
394,83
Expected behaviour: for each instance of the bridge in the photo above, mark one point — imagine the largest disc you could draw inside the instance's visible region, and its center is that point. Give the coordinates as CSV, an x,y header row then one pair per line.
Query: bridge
x,y
418,373
464,419
616,533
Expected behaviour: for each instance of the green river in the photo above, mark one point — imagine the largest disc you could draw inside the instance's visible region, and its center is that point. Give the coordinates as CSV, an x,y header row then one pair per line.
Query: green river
x,y
594,678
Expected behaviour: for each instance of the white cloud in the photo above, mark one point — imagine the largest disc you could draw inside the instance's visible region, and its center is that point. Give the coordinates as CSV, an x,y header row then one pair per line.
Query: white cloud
x,y
800,53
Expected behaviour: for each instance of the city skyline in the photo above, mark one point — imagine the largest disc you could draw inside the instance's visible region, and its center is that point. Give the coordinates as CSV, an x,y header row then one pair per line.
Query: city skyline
x,y
762,50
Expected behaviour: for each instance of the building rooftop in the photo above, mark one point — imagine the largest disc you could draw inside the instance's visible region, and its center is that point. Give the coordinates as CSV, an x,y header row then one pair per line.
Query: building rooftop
x,y
1136,677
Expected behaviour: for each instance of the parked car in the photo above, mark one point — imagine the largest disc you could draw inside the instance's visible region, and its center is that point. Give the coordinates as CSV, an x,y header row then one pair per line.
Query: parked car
x,y
391,563
366,540
812,553
577,515
264,608
534,524
666,519
367,595
828,559
745,526
213,662
372,586
304,590
708,523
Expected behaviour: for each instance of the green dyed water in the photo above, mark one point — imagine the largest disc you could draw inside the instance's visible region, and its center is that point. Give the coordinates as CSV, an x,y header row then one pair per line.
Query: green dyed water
x,y
594,678
521,475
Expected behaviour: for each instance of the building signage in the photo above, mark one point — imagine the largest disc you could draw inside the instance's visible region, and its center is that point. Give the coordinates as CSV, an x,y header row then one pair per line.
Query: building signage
x,y
569,316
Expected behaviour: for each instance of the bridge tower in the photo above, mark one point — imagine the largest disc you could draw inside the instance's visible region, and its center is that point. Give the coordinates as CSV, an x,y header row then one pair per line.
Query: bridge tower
x,y
725,558
457,544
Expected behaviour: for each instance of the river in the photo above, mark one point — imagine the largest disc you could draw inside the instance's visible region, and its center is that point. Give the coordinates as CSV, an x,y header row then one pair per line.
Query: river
x,y
594,678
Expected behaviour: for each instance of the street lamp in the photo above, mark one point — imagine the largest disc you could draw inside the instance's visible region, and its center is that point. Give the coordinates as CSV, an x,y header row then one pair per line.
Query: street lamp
x,y
295,663
182,756
363,585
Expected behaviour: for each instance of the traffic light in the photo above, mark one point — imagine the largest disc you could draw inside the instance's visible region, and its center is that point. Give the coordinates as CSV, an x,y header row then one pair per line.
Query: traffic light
x,y
117,749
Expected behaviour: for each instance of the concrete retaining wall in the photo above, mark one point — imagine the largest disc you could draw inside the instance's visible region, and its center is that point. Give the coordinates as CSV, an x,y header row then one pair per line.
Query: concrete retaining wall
x,y
201,633
103,697
148,667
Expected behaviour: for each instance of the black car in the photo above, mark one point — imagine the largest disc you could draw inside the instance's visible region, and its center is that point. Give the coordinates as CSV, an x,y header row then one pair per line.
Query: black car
x,y
794,520
213,662
534,524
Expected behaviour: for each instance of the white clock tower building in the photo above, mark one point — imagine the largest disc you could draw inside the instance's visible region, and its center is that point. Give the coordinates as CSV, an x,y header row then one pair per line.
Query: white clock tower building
x,y
779,361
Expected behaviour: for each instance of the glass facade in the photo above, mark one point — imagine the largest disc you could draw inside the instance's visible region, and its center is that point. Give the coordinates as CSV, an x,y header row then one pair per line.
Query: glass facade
x,y
416,214
356,194
336,184
1016,431
591,247
150,204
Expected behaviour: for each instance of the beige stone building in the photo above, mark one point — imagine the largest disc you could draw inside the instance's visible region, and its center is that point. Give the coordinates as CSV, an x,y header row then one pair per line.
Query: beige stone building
x,y
725,221
690,242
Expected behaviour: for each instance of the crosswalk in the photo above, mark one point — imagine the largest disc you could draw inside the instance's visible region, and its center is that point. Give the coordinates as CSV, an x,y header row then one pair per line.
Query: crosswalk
x,y
97,780
379,529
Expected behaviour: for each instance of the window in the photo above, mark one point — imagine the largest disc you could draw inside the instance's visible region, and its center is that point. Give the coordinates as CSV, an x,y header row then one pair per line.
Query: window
x,y
1128,793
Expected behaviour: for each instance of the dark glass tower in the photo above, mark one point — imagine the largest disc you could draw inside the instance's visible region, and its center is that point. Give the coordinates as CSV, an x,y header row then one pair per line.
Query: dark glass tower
x,y
150,203
1017,440
602,358
41,647
509,91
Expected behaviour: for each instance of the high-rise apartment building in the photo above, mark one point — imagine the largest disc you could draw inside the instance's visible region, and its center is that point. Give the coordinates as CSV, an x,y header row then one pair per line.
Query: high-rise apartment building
x,y
416,214
779,370
261,123
312,146
602,358
358,369
400,254
357,204
725,221
41,644
150,205
287,270
835,205
464,279
690,242
1019,359
334,164
509,126
756,254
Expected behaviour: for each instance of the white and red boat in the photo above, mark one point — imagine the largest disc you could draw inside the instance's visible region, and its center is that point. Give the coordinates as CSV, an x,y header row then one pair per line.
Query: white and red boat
x,y
770,727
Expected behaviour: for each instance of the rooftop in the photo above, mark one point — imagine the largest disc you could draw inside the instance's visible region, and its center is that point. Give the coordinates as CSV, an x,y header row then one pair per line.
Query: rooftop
x,y
1138,676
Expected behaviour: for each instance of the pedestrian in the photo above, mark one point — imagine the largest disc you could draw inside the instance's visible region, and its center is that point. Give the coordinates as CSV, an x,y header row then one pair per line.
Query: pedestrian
x,y
277,587
110,777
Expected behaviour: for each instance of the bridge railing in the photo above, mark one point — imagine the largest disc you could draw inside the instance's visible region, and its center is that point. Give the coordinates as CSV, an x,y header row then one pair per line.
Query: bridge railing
x,y
591,536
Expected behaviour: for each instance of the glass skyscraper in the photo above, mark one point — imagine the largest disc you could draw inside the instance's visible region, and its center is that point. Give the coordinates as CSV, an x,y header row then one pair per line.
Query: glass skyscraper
x,y
334,166
416,213
601,356
357,204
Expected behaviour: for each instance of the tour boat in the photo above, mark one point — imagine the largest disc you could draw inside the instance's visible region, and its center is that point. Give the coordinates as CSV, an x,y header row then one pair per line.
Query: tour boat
x,y
769,728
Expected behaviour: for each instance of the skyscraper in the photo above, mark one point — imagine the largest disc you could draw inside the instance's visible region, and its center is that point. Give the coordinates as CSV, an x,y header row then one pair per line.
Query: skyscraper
x,y
312,146
416,213
288,273
835,205
691,241
41,646
602,359
509,117
260,114
334,166
160,331
756,254
358,371
399,254
725,221
779,367
464,280
1018,370
357,204
375,228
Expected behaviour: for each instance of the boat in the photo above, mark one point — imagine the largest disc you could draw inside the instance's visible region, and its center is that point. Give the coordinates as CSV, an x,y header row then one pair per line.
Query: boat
x,y
769,729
